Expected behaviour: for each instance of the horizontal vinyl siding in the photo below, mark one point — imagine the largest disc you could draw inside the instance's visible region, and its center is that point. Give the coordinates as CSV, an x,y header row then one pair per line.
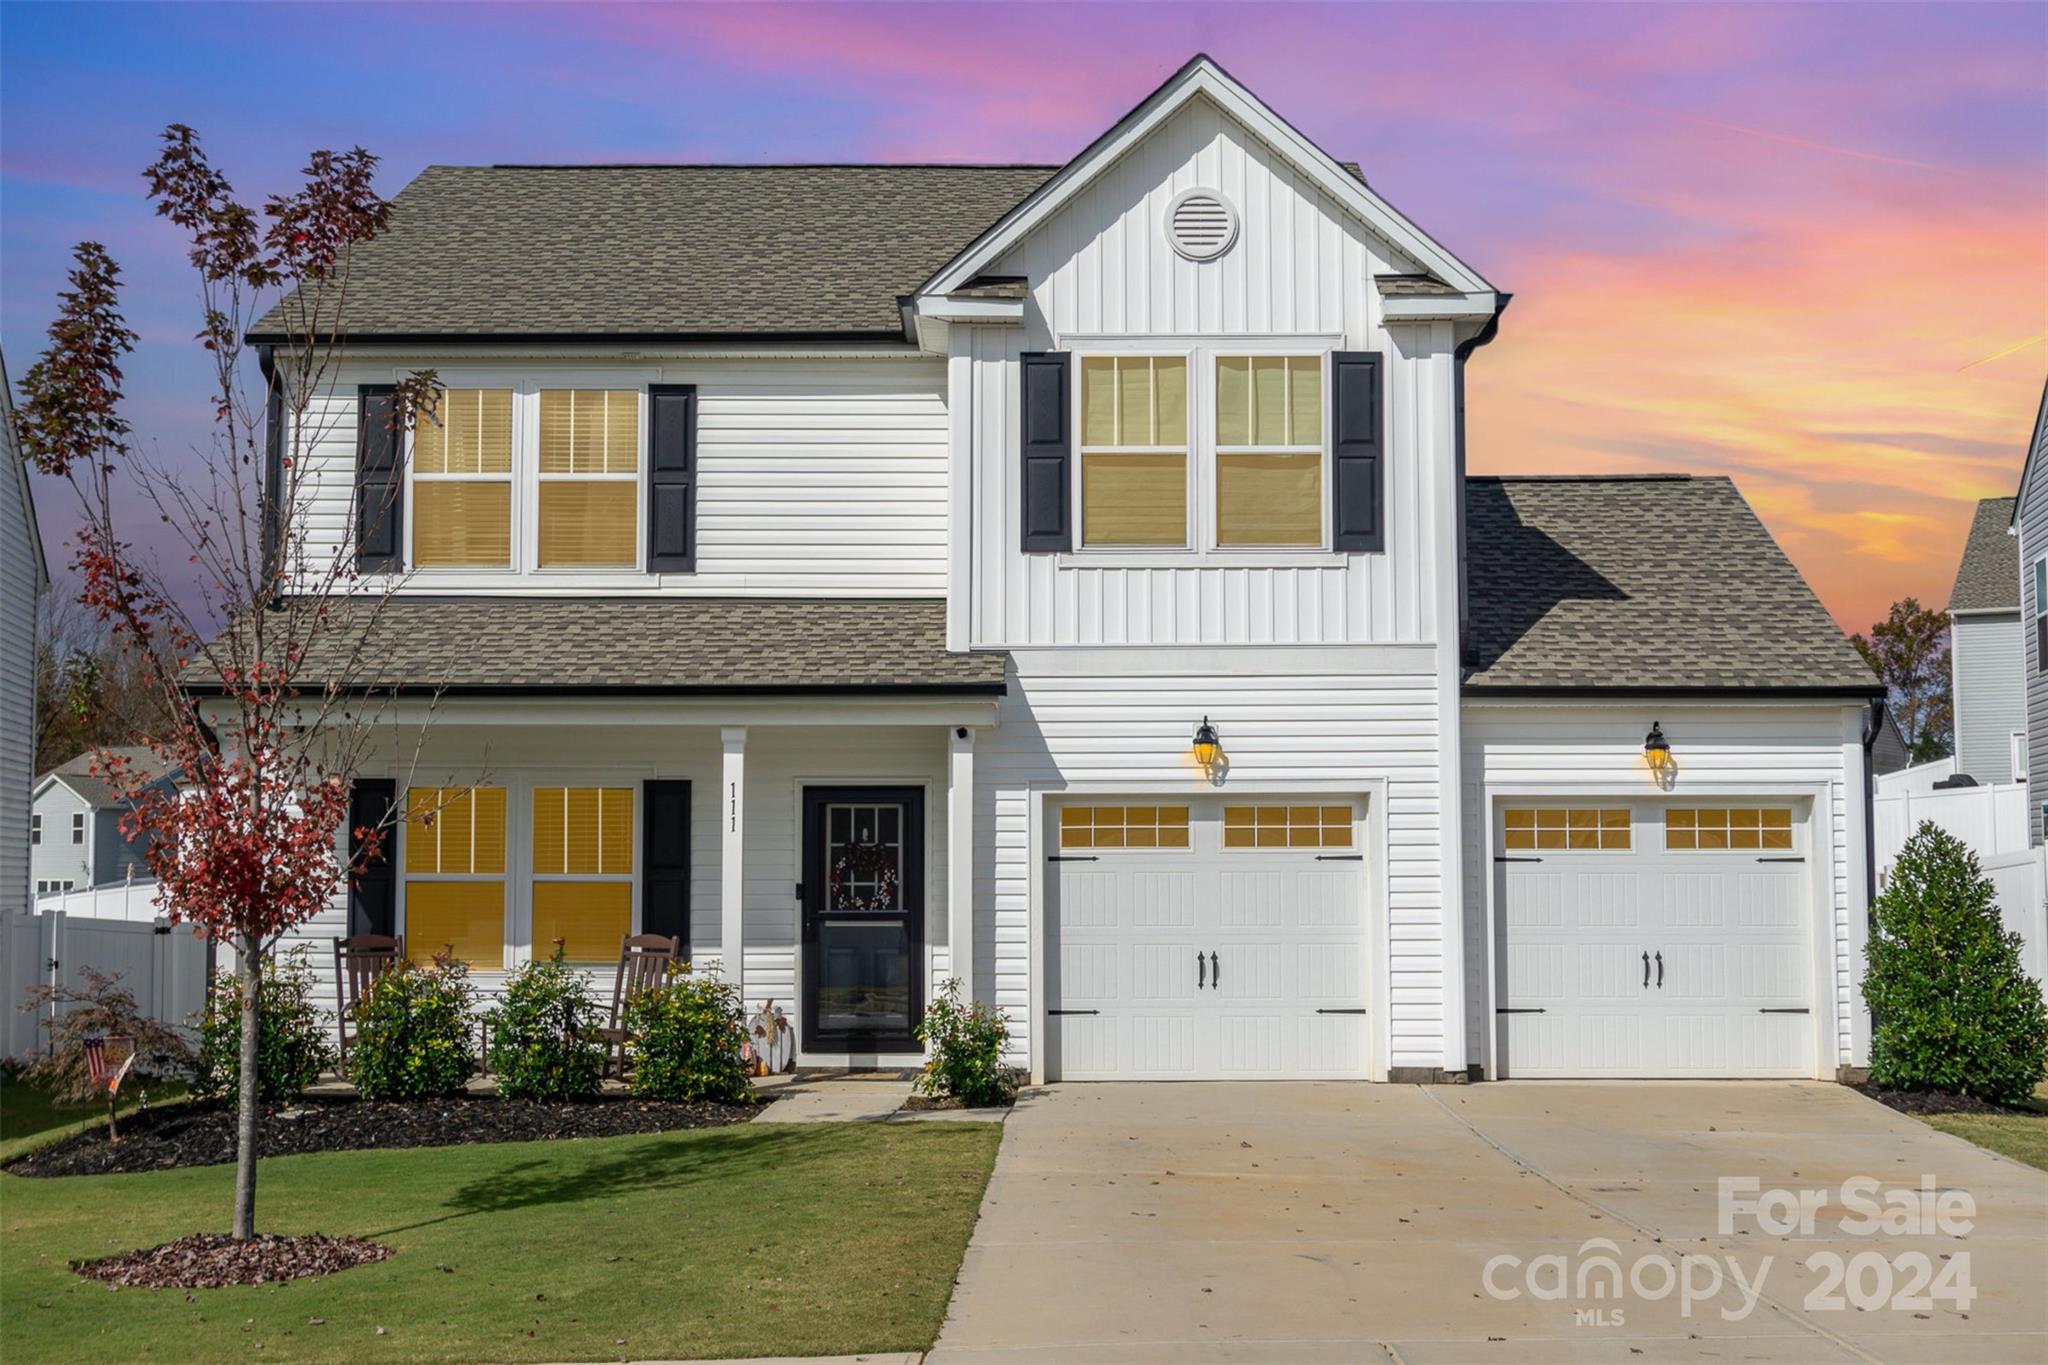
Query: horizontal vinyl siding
x,y
1717,750
1302,267
1990,694
817,476
18,574
1129,726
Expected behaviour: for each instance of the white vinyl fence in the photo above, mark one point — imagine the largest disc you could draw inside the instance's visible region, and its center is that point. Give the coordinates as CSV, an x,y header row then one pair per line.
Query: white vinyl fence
x,y
164,967
133,902
1992,820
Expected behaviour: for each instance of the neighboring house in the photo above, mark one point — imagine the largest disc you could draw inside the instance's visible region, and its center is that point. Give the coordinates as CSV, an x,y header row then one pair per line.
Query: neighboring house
x,y
2030,526
75,826
1888,752
24,576
1065,578
1988,680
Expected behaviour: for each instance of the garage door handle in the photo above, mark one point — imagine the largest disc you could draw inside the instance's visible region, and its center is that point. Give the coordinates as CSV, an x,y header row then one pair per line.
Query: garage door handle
x,y
1781,860
1070,858
1201,971
1660,970
1504,858
1340,857
1526,1009
1801,1010
1059,1012
1215,973
1646,971
1360,1010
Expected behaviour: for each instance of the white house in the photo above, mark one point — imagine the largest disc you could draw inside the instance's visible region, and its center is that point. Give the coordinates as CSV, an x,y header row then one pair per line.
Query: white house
x,y
23,577
75,835
836,566
1987,677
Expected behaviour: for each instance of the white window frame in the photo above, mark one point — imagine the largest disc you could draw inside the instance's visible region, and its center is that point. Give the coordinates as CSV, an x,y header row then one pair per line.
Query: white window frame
x,y
2040,610
35,830
1321,448
1189,453
526,386
2018,741
513,829
633,782
78,829
1202,353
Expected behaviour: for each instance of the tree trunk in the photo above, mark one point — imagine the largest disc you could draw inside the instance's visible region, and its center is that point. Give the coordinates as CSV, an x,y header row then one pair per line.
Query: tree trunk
x,y
250,972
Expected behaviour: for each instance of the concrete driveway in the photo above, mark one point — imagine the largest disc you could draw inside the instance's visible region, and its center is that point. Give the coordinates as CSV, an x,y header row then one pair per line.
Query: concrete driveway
x,y
1328,1222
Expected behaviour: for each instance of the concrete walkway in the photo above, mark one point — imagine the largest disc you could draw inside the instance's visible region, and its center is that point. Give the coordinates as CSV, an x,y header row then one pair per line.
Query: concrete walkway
x,y
1312,1223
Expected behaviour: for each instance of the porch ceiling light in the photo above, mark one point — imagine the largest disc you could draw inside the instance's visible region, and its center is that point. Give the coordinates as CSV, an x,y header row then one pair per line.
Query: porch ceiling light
x,y
1207,747
1657,749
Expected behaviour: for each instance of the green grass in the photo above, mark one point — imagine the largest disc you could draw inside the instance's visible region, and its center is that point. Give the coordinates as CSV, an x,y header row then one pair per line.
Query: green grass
x,y
2023,1136
753,1240
29,1110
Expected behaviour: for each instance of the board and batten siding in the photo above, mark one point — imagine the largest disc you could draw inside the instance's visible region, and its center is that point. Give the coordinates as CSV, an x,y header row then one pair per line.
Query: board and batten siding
x,y
1721,752
818,475
1301,268
1990,691
1101,721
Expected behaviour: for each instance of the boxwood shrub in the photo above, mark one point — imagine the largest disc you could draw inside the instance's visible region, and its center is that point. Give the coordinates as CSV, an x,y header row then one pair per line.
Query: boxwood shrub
x,y
415,1033
294,1040
546,1042
684,1040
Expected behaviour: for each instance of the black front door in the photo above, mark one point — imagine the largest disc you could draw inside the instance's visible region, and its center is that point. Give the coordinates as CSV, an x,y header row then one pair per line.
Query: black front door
x,y
863,899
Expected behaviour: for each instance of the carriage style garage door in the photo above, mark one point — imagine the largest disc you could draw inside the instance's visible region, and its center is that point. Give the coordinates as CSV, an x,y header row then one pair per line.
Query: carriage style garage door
x,y
1649,938
1213,938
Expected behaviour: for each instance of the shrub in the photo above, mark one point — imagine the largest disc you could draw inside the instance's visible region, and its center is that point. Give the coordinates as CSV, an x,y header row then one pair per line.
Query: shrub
x,y
1954,1009
684,1039
293,1043
545,1038
414,1033
965,1044
100,1007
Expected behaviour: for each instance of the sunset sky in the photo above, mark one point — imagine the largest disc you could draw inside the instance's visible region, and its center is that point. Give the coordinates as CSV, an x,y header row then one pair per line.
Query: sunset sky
x,y
1803,246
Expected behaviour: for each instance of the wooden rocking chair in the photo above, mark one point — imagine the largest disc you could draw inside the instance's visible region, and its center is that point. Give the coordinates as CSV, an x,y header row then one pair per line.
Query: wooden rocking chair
x,y
359,961
644,962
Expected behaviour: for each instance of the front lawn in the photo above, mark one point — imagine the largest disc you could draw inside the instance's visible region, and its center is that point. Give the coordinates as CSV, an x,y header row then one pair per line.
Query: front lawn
x,y
2021,1134
764,1239
27,1109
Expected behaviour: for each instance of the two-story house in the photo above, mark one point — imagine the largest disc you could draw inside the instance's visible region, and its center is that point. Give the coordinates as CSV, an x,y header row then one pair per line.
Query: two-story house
x,y
24,576
1067,579
1987,677
2029,527
76,839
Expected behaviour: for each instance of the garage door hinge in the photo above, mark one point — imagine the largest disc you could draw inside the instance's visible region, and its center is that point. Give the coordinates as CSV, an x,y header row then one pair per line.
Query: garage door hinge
x,y
1070,858
1781,860
1340,857
1507,858
1073,1011
1504,1009
1801,1010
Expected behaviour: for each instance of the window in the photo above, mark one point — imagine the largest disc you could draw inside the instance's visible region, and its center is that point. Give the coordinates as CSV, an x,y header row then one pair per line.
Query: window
x,y
1134,451
35,829
1581,828
1123,827
1269,450
462,481
582,871
589,477
2019,755
78,827
1287,827
2041,615
1732,829
455,874
52,888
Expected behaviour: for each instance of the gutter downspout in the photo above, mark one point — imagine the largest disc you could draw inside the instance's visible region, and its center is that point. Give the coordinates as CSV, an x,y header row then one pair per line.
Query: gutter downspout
x,y
1873,726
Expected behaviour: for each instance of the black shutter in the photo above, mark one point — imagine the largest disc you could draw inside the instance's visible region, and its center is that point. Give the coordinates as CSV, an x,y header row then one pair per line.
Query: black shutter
x,y
1048,452
373,893
1358,468
672,478
380,481
665,858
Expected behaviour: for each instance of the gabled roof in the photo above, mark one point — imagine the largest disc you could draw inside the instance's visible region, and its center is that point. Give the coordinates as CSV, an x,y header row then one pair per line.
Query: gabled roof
x,y
672,646
96,791
1203,78
662,252
2037,449
1988,579
1647,583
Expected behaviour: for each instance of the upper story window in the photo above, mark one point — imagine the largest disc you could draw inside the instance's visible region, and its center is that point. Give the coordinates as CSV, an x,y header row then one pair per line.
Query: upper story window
x,y
2041,616
526,478
35,829
78,827
1215,449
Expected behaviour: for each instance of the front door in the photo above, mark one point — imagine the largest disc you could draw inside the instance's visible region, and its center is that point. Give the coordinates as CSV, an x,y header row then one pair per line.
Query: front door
x,y
863,906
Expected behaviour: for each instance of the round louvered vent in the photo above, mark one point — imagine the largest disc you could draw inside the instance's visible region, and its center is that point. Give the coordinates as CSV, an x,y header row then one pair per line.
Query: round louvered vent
x,y
1201,224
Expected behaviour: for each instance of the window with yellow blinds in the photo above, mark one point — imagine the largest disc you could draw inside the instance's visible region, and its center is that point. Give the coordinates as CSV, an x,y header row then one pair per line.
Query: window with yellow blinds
x,y
1711,829
462,481
589,477
1134,451
1269,451
455,874
1585,828
1287,827
1123,827
582,871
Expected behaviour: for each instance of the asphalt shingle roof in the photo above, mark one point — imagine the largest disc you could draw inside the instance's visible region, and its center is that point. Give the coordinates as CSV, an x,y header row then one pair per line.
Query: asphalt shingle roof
x,y
1988,579
78,774
1659,583
672,644
657,251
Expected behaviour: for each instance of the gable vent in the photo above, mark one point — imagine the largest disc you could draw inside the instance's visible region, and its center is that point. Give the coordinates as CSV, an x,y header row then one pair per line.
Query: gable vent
x,y
1201,224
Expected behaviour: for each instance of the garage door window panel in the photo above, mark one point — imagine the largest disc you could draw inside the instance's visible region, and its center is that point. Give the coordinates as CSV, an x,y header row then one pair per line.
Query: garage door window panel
x,y
1283,827
1716,829
1561,829
1124,827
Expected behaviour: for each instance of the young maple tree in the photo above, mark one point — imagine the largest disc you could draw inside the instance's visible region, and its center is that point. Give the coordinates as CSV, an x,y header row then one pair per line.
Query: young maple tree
x,y
249,845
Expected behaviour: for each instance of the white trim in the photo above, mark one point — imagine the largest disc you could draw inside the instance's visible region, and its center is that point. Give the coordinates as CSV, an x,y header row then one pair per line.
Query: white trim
x,y
732,869
1203,77
960,944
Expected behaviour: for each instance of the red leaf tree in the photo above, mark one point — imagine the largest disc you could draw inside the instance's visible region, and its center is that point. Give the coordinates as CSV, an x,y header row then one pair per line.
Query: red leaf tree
x,y
251,843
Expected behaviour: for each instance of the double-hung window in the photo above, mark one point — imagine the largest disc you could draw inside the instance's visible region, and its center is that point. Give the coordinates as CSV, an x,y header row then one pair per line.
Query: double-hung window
x,y
582,871
2041,616
78,827
462,481
1134,451
1269,451
35,829
589,477
455,874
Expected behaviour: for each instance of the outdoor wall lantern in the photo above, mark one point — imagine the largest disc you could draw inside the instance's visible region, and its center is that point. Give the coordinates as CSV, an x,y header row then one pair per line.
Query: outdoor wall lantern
x,y
1657,750
1207,747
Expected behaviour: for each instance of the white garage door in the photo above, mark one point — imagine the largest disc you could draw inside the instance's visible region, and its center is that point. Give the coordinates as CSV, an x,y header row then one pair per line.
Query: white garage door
x,y
1654,939
1207,939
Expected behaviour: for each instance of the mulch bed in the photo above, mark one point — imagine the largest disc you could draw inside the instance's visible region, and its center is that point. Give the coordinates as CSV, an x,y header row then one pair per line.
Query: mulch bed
x,y
1936,1102
208,1260
204,1134
918,1104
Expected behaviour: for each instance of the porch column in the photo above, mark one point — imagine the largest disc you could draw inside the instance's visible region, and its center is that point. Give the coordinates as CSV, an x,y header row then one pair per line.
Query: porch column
x,y
960,856
732,823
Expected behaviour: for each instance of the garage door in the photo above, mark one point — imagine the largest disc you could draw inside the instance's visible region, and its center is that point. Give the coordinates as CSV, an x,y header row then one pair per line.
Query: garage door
x,y
1654,939
1206,939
